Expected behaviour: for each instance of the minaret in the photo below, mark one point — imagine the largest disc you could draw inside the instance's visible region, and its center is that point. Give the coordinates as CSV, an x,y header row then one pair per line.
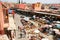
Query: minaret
x,y
19,1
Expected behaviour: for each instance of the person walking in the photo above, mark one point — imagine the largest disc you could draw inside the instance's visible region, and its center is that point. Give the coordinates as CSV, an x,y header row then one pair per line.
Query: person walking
x,y
22,33
13,34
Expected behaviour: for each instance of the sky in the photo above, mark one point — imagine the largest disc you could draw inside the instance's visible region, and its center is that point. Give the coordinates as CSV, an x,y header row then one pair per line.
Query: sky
x,y
33,1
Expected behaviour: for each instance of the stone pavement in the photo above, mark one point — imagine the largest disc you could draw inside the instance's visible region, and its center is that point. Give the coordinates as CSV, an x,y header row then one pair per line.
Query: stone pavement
x,y
18,23
12,26
3,37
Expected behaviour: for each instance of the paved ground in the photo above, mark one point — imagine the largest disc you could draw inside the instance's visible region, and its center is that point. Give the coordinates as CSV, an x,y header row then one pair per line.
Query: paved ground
x,y
18,23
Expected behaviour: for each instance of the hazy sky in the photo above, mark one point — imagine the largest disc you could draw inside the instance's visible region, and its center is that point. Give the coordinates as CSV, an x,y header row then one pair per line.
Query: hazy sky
x,y
33,1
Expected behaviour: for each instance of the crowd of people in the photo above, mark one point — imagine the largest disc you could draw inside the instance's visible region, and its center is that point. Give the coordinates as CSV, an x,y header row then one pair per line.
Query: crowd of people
x,y
47,26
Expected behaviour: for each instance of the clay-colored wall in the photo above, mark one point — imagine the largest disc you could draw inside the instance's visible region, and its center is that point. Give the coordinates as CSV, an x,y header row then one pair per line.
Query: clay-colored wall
x,y
1,19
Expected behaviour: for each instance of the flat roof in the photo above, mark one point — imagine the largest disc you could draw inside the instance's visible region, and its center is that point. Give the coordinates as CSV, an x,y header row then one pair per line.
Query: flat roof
x,y
41,12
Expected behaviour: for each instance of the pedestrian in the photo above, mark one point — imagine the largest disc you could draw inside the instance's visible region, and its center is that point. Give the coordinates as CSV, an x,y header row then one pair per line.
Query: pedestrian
x,y
13,34
9,34
18,27
24,33
21,33
13,13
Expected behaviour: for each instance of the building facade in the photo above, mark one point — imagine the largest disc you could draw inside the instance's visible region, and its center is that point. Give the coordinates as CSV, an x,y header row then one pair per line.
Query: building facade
x,y
1,20
37,6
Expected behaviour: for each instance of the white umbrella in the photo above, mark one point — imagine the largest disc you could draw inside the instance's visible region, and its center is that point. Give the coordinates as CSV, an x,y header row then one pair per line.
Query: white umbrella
x,y
50,25
56,30
26,18
58,22
36,31
44,39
